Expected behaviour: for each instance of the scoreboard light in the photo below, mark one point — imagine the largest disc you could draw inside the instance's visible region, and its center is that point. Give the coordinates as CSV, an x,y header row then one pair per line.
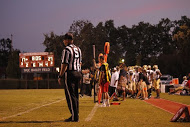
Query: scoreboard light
x,y
36,59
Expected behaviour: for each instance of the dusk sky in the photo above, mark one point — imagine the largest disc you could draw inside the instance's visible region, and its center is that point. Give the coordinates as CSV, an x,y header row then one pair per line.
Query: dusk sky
x,y
28,20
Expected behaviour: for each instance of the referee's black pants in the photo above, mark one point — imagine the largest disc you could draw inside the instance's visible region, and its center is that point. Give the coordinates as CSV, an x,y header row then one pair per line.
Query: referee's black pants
x,y
72,81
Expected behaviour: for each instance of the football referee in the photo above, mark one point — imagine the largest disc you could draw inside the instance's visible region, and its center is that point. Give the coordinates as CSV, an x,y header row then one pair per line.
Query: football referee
x,y
71,67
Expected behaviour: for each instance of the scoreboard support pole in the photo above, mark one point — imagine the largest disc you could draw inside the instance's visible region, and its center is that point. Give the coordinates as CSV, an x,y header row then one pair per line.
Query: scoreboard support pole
x,y
26,85
37,82
48,80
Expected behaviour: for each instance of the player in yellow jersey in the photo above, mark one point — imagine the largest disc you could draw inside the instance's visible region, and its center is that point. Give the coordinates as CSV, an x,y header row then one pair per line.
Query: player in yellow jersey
x,y
104,81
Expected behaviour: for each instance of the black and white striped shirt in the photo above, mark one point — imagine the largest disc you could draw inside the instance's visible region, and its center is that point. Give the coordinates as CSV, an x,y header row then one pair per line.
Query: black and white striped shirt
x,y
72,56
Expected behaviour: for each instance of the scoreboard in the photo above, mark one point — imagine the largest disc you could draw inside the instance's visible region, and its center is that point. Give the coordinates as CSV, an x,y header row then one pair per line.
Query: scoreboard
x,y
36,62
36,59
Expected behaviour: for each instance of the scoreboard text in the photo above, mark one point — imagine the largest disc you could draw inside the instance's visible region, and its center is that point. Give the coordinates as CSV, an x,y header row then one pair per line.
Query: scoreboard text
x,y
36,59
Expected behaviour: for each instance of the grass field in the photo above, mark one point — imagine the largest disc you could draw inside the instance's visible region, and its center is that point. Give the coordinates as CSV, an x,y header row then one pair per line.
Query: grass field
x,y
48,108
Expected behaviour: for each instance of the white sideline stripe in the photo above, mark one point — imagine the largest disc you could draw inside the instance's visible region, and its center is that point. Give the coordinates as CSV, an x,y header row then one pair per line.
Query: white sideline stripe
x,y
92,112
175,102
21,113
160,107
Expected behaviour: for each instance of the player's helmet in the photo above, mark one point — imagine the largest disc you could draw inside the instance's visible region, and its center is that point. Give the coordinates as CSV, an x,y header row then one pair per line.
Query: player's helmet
x,y
149,67
155,66
100,55
136,67
184,77
144,67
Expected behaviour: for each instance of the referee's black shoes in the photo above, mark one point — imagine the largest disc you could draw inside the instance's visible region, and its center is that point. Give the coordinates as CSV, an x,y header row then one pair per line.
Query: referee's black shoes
x,y
70,120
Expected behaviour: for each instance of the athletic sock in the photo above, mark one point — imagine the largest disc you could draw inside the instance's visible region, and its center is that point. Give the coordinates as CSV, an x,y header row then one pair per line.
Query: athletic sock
x,y
104,101
108,101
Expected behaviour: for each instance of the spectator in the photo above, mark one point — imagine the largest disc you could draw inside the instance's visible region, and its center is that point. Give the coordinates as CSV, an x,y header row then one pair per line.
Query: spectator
x,y
182,86
187,86
86,83
122,84
131,82
114,81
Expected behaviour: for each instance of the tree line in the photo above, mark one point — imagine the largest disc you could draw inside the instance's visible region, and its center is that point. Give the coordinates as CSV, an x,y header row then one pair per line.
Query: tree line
x,y
166,44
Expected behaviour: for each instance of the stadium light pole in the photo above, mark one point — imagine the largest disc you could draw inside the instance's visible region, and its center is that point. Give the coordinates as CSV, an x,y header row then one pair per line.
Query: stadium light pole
x,y
11,43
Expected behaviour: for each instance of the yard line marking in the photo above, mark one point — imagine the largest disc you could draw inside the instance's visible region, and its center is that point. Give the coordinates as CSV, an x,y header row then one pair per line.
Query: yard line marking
x,y
92,112
21,113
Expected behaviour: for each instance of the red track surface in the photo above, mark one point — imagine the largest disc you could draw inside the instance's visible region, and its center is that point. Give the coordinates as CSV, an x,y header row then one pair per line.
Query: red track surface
x,y
166,105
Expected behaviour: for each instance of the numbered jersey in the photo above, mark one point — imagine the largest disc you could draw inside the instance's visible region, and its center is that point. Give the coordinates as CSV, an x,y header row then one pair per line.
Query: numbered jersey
x,y
72,56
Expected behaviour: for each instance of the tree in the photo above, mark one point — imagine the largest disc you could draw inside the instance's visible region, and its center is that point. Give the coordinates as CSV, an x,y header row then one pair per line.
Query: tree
x,y
83,32
164,31
12,69
176,62
5,49
143,43
54,43
181,37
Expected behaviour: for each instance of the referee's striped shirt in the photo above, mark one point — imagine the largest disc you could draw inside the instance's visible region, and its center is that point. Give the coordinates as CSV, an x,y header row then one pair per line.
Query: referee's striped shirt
x,y
72,56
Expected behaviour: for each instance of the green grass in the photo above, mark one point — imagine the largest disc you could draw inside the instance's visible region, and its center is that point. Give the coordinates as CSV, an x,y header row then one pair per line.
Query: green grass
x,y
13,101
130,113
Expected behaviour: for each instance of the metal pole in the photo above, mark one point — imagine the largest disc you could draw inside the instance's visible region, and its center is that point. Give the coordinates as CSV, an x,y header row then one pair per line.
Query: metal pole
x,y
48,80
11,43
94,51
37,81
26,81
94,69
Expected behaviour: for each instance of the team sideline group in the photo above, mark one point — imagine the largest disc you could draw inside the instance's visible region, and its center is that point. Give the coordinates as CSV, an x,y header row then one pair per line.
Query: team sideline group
x,y
133,81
